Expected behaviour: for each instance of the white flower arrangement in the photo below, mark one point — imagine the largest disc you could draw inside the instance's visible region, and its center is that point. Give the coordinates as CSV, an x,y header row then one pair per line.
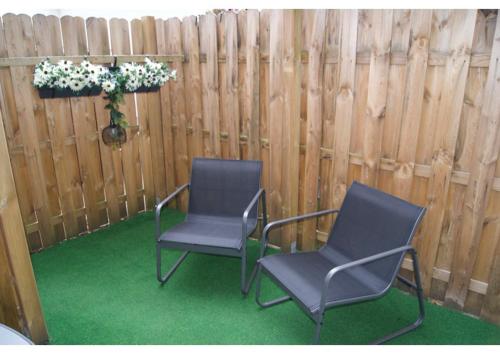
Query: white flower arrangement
x,y
130,76
115,81
65,74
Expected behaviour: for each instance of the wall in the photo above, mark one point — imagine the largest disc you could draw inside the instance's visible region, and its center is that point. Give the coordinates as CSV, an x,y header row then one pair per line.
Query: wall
x,y
403,100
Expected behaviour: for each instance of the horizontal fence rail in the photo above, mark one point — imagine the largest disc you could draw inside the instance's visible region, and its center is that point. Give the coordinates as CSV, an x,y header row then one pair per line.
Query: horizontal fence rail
x,y
402,100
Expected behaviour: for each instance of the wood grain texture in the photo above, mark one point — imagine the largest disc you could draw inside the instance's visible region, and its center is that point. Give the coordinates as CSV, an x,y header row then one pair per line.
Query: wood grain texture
x,y
210,85
191,47
48,39
98,43
448,116
178,108
315,73
17,288
85,126
485,157
132,174
145,144
377,95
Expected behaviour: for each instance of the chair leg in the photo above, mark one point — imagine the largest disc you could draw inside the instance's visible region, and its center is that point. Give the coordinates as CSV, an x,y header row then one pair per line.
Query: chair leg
x,y
420,296
245,285
164,278
257,292
319,324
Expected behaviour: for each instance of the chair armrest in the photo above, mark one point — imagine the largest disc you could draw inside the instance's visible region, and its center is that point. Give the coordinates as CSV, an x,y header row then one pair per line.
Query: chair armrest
x,y
261,193
358,262
164,202
271,225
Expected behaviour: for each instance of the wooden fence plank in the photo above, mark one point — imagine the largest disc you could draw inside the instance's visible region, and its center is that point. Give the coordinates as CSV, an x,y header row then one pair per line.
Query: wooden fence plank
x,y
191,47
18,30
292,25
13,246
330,87
377,94
412,106
466,140
264,105
452,94
314,126
144,125
169,128
230,93
344,104
174,45
210,85
276,111
251,103
120,44
98,44
479,188
85,126
49,42
154,114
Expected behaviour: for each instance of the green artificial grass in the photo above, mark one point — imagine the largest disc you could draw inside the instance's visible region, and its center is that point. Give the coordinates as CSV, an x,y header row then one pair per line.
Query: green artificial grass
x,y
102,289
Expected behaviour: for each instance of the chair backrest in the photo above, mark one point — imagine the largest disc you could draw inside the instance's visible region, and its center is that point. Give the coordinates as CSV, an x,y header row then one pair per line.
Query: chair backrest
x,y
370,222
223,188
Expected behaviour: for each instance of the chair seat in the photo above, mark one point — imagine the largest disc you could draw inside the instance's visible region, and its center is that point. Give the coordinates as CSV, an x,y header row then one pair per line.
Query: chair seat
x,y
211,231
302,275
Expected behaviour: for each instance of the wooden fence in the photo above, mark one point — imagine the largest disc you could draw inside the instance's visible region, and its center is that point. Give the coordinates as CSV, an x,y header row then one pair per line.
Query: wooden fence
x,y
404,100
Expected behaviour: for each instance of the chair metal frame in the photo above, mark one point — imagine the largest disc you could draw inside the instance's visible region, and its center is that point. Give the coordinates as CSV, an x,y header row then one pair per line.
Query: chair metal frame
x,y
187,248
318,316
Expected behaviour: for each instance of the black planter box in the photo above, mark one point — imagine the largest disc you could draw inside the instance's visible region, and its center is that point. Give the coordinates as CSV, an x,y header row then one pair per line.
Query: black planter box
x,y
143,89
46,92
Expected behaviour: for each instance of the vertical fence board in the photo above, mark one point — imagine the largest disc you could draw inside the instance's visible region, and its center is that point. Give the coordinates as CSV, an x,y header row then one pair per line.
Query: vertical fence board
x,y
344,103
264,102
192,80
98,44
25,306
448,118
377,94
154,114
330,86
292,24
120,45
174,46
229,91
479,187
18,30
210,87
314,126
276,110
144,124
412,105
60,127
170,129
85,125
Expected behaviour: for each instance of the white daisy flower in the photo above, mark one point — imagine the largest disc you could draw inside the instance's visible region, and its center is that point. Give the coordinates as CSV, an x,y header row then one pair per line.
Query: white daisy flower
x,y
140,71
76,85
62,82
86,64
108,86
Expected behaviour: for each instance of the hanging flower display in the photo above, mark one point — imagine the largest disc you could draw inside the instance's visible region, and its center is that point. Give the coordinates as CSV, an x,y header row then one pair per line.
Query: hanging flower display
x,y
66,79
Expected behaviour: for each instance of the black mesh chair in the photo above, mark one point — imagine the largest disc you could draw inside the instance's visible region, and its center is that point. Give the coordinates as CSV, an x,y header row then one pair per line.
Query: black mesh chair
x,y
360,261
222,213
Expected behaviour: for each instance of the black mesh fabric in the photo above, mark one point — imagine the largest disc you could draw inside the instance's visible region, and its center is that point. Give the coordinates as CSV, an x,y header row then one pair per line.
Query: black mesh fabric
x,y
220,191
223,187
368,223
